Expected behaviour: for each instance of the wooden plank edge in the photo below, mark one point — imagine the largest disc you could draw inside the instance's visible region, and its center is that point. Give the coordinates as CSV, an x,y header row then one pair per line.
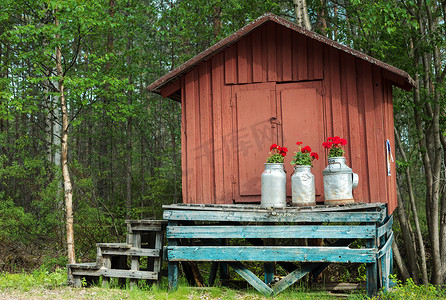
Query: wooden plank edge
x,y
117,273
386,247
251,278
290,231
385,228
271,253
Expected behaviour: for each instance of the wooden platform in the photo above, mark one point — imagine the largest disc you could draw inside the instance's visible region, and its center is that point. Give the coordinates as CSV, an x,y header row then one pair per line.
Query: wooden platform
x,y
212,225
144,239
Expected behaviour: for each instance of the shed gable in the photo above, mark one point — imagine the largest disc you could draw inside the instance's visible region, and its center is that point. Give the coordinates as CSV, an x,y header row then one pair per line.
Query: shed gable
x,y
273,53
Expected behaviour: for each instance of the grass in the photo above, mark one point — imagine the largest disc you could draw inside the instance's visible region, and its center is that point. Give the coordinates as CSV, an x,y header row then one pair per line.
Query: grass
x,y
42,284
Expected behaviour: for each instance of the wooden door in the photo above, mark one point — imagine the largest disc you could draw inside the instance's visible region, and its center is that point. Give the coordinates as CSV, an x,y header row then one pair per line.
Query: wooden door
x,y
255,132
274,113
302,120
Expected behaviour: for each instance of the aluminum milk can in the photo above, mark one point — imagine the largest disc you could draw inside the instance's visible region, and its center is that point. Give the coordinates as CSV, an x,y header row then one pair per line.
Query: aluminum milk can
x,y
339,180
302,187
273,185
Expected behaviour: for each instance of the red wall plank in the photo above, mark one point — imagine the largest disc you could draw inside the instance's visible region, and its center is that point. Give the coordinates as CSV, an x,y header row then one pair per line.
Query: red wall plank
x,y
335,86
310,58
389,131
206,134
327,97
191,157
302,57
242,67
354,139
249,61
184,156
363,170
279,53
344,103
228,144
295,56
370,132
257,56
265,41
318,60
286,56
217,79
231,65
380,134
272,53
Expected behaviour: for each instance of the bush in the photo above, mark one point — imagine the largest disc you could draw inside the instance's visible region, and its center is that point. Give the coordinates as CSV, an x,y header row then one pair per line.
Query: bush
x,y
409,290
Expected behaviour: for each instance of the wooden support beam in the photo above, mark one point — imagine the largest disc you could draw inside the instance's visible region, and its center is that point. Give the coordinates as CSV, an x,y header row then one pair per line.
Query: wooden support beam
x,y
385,228
213,273
251,278
372,271
290,279
269,272
172,266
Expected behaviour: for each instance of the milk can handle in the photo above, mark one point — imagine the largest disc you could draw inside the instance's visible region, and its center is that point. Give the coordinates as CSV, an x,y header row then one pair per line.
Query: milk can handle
x,y
336,162
355,180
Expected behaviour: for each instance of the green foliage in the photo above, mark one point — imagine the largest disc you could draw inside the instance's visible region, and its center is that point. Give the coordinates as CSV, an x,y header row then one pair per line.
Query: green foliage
x,y
276,158
14,221
40,278
409,290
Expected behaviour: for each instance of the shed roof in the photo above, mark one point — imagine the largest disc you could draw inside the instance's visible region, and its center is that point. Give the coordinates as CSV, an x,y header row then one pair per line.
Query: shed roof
x,y
400,78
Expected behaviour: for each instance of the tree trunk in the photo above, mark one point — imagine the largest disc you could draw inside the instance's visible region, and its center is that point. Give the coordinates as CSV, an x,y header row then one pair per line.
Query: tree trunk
x,y
129,137
414,211
68,191
301,10
400,262
407,237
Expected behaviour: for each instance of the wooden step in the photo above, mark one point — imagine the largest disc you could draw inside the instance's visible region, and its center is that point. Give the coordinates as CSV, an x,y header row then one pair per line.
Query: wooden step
x,y
115,273
145,225
84,266
114,245
125,249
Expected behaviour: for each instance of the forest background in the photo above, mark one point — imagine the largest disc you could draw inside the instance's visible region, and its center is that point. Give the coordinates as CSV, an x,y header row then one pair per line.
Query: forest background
x,y
77,124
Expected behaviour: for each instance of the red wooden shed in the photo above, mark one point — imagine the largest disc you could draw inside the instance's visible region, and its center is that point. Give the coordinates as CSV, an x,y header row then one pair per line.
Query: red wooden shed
x,y
275,82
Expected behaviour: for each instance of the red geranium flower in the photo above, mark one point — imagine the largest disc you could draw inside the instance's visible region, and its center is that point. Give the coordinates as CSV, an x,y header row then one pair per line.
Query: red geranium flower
x,y
298,143
334,144
277,154
306,149
327,144
314,155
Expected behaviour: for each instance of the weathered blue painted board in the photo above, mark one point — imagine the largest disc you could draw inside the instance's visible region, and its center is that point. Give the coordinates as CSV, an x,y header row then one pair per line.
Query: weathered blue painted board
x,y
251,278
172,270
387,246
268,268
372,271
272,216
270,253
296,231
385,228
290,279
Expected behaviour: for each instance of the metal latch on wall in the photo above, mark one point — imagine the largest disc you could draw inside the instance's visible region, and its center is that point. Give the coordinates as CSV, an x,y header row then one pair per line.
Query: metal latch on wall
x,y
274,122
